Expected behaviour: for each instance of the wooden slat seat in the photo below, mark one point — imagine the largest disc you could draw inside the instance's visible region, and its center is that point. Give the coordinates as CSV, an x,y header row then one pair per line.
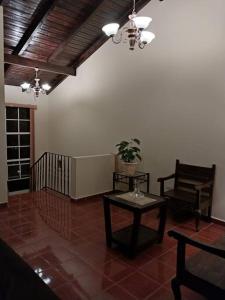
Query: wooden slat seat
x,y
208,267
203,272
186,196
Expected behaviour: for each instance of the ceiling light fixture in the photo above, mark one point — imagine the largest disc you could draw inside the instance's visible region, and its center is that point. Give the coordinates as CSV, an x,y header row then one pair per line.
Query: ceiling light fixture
x,y
135,32
36,87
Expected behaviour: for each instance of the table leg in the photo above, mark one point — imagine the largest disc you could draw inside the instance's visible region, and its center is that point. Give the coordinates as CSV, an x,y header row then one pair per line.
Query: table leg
x,y
108,225
134,235
114,181
148,182
162,222
131,184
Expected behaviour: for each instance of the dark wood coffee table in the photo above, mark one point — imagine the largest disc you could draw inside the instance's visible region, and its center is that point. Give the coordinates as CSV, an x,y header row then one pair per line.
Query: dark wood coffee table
x,y
136,236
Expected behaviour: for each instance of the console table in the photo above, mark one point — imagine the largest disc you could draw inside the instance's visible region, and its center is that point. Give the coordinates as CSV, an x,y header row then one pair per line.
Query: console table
x,y
140,177
136,236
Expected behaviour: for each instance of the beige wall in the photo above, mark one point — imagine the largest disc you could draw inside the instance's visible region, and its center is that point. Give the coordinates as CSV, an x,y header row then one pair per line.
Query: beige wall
x,y
170,95
3,165
13,94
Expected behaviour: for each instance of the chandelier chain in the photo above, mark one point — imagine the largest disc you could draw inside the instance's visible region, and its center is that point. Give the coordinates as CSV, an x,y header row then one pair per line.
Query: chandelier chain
x,y
36,72
134,6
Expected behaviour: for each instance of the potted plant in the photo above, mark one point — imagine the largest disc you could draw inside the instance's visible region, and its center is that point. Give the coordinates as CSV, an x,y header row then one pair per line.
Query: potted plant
x,y
129,153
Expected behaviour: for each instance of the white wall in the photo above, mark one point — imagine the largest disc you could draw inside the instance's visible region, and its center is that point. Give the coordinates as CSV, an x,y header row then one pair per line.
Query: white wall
x,y
13,94
91,175
170,95
3,165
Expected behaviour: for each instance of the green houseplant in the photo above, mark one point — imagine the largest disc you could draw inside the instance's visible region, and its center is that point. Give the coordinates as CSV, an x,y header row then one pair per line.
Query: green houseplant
x,y
129,153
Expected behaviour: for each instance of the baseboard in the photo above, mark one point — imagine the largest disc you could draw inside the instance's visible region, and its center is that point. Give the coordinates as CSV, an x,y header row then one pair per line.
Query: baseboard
x,y
91,196
218,221
3,205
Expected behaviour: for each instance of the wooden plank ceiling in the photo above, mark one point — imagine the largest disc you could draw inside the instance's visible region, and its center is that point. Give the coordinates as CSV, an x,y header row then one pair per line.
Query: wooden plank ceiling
x,y
56,35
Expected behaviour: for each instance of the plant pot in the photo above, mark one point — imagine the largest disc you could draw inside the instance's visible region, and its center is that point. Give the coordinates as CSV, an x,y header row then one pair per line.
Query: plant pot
x,y
118,164
129,168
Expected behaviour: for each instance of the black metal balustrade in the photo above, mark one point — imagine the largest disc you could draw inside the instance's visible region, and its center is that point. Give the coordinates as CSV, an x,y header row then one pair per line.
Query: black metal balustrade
x,y
51,171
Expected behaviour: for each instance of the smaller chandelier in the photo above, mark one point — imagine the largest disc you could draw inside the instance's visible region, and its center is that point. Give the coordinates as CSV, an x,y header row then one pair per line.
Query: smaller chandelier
x,y
135,32
36,87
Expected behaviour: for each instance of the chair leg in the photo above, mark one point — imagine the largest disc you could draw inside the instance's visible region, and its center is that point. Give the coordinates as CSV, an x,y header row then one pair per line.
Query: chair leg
x,y
176,289
197,219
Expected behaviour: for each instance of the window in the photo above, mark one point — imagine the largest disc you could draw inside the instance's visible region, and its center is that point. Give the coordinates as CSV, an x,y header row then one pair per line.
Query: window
x,y
18,134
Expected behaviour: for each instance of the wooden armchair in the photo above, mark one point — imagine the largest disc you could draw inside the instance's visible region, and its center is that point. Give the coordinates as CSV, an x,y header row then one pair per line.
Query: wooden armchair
x,y
193,190
203,272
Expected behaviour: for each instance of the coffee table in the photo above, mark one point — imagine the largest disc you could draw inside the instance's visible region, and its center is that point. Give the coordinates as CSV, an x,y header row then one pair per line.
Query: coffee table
x,y
136,236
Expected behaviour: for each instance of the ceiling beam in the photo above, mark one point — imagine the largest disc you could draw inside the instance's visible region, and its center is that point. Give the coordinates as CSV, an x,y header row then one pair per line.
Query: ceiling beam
x,y
4,2
73,31
43,9
30,63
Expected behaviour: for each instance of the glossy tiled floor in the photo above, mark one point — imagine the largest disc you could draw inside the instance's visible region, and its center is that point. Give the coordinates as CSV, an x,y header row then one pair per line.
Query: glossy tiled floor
x,y
64,243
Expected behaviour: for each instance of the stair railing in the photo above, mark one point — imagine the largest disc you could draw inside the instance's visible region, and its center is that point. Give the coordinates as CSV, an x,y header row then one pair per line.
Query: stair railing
x,y
51,171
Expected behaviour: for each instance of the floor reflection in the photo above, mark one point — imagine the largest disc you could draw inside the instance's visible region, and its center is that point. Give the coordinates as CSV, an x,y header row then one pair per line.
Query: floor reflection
x,y
55,212
64,242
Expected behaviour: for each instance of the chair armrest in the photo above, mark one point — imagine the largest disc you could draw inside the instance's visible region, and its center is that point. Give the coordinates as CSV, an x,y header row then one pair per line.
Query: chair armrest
x,y
161,179
203,185
205,247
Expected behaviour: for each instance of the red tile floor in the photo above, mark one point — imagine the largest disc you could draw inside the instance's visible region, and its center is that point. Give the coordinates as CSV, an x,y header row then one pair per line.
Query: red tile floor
x,y
64,242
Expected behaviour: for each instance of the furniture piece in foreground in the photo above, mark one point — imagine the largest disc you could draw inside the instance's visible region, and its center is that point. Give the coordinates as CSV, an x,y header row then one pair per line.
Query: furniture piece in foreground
x,y
203,272
139,177
193,190
18,280
136,236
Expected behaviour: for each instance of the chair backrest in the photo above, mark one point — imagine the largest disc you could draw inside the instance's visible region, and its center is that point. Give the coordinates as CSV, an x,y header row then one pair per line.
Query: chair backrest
x,y
187,176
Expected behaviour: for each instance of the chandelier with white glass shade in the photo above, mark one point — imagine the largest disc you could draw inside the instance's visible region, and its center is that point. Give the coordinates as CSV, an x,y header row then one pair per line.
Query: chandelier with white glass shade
x,y
36,88
135,33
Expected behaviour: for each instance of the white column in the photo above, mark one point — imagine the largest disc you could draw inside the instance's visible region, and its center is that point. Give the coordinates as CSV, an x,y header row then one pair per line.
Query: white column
x,y
3,162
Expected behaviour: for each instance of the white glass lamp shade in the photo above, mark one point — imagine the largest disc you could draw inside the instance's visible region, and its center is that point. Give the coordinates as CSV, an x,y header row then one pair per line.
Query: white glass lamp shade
x,y
46,86
147,37
111,29
142,22
25,86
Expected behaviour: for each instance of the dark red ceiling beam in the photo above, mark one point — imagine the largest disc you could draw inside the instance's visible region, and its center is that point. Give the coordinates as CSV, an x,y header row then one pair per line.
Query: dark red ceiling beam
x,y
3,2
41,12
30,63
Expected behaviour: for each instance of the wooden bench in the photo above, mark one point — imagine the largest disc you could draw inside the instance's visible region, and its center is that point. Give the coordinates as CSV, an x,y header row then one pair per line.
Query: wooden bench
x,y
203,272
18,280
192,191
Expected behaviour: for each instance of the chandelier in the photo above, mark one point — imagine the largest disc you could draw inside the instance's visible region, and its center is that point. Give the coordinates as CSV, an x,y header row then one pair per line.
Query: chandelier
x,y
135,32
36,87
